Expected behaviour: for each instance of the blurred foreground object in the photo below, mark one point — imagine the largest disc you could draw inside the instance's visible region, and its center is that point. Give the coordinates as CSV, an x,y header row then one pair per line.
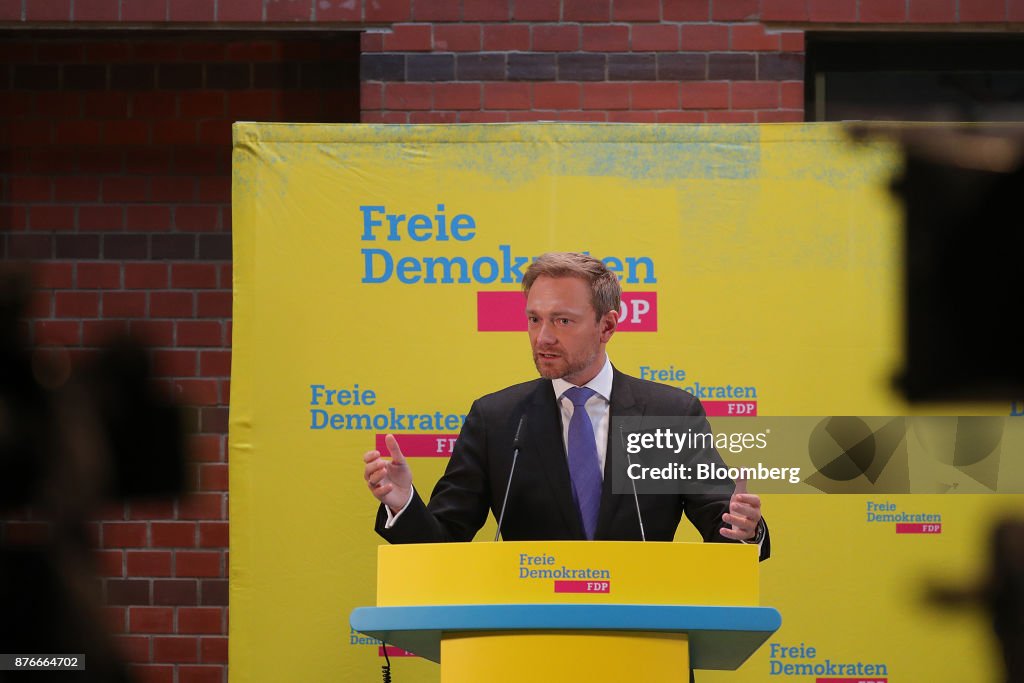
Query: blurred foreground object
x,y
1001,593
962,190
70,441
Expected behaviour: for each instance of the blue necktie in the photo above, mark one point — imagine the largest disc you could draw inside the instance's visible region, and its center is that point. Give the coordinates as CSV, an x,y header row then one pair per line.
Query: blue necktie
x,y
583,465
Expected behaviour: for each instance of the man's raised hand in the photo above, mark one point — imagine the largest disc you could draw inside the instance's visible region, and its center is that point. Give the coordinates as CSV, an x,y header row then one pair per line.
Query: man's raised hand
x,y
390,481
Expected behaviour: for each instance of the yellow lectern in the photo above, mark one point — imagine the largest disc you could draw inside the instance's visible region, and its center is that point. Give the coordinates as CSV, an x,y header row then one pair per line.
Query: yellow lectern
x,y
539,610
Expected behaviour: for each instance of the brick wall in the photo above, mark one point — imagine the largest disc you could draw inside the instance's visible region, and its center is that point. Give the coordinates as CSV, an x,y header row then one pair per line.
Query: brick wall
x,y
115,160
114,178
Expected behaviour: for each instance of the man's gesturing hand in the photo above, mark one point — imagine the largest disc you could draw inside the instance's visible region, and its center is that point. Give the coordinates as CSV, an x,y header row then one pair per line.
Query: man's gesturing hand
x,y
744,514
390,481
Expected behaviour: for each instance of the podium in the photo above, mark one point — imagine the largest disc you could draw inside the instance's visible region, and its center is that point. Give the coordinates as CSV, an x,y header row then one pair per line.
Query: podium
x,y
579,610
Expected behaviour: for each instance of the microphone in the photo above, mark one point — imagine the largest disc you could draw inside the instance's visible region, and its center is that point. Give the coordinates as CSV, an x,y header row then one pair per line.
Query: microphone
x,y
636,498
516,441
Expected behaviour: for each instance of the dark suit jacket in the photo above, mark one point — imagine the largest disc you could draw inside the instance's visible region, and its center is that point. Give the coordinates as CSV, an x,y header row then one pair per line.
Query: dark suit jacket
x,y
540,504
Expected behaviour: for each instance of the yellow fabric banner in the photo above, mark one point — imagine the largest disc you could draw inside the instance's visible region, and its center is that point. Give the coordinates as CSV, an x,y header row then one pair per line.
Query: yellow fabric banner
x,y
376,290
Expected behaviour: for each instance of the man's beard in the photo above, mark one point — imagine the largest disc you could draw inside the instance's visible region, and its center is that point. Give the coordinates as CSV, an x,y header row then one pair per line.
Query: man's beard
x,y
564,367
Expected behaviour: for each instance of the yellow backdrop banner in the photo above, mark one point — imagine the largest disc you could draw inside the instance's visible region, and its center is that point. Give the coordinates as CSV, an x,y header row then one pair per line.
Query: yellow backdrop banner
x,y
376,274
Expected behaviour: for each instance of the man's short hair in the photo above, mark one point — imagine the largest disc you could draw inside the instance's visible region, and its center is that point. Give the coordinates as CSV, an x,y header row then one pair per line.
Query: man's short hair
x,y
605,291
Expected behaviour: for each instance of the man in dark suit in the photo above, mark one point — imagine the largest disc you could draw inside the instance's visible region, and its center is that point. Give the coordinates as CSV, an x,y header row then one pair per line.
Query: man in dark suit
x,y
562,486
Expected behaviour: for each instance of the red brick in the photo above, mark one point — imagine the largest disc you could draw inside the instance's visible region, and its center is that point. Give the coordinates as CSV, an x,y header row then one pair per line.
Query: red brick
x,y
734,10
661,95
99,275
215,190
437,10
172,305
784,10
124,305
193,275
493,10
538,10
29,189
76,189
52,218
982,10
52,275
47,10
555,37
586,10
148,217
197,563
289,10
755,95
408,96
204,620
206,448
153,332
100,218
882,11
143,10
388,10
133,648
197,392
556,96
606,96
610,38
40,305
709,95
655,37
214,650
791,95
698,38
152,673
932,11
172,188
500,37
225,278
780,116
408,38
151,509
109,562
753,37
147,161
175,592
633,116
833,10
115,619
173,534
191,10
215,534
76,304
57,332
97,10
145,275
105,105
595,116
506,95
175,649
457,37
214,304
175,133
201,104
791,41
719,116
433,117
124,534
124,189
154,105
151,620
10,10
174,363
200,674
1014,10
100,332
208,506
149,563
241,10
196,218
33,533
636,10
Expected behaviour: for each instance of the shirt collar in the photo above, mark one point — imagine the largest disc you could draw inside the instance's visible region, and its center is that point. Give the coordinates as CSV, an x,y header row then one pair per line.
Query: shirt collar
x,y
602,383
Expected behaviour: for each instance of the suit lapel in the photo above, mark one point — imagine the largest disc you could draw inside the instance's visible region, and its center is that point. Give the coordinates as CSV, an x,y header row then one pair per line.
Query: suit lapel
x,y
545,430
624,403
